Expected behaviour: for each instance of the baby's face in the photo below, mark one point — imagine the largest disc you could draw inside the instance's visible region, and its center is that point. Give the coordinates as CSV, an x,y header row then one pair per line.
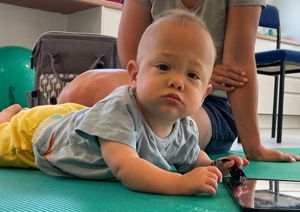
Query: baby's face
x,y
174,68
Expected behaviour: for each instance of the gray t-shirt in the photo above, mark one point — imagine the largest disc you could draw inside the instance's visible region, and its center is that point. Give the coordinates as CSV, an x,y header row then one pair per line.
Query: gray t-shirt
x,y
76,151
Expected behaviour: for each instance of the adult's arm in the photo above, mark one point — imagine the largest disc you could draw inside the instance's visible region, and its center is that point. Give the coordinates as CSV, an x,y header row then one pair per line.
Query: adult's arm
x,y
134,20
239,47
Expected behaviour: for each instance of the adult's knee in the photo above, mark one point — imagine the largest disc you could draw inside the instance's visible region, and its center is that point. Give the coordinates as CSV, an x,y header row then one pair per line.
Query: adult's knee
x,y
92,86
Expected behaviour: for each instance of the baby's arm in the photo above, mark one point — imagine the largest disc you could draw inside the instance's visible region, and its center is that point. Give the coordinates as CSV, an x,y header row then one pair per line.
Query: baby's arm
x,y
203,159
141,175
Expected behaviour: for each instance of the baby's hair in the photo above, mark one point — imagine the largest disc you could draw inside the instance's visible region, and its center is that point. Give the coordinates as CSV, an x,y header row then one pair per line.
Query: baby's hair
x,y
181,16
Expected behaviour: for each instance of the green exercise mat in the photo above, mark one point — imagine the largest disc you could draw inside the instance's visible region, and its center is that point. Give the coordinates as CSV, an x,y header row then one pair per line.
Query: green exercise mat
x,y
274,170
32,190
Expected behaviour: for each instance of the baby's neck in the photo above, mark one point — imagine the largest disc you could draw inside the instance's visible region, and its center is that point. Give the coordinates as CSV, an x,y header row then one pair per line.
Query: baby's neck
x,y
161,130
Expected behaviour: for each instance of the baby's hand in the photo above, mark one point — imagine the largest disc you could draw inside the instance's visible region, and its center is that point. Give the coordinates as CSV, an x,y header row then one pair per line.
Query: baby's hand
x,y
230,161
201,180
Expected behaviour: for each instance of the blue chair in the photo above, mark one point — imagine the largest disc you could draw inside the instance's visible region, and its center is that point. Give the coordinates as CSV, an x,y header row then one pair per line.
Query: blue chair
x,y
277,63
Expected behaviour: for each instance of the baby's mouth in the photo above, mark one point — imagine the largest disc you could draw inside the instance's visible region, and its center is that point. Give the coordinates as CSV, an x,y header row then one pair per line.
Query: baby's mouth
x,y
173,98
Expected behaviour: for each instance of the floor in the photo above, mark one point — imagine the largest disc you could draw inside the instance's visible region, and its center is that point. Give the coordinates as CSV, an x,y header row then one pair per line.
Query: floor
x,y
290,139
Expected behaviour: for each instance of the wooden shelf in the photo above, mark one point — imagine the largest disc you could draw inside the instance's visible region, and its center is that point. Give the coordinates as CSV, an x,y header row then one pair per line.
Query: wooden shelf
x,y
62,6
272,38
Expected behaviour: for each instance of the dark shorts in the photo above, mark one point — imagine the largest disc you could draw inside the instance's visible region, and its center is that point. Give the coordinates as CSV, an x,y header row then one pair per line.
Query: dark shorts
x,y
223,127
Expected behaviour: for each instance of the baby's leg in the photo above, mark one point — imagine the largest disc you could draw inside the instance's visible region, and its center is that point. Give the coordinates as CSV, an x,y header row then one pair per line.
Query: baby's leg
x,y
16,148
7,113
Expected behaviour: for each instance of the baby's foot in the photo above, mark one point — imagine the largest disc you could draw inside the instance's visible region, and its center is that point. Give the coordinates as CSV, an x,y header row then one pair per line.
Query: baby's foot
x,y
7,113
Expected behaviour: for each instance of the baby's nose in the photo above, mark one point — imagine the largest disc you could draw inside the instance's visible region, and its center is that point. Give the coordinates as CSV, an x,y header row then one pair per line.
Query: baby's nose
x,y
176,83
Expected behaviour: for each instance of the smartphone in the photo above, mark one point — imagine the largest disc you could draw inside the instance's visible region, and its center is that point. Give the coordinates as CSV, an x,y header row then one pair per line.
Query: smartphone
x,y
264,194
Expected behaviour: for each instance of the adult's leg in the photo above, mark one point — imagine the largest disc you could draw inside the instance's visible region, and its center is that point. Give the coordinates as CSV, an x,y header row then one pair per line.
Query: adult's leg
x,y
223,129
92,86
205,128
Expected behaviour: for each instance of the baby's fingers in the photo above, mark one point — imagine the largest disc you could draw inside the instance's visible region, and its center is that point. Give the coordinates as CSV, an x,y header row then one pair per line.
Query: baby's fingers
x,y
211,182
215,173
210,187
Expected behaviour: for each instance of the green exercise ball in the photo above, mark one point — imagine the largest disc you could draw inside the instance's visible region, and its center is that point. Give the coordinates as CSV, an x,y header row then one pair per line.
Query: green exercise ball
x,y
16,77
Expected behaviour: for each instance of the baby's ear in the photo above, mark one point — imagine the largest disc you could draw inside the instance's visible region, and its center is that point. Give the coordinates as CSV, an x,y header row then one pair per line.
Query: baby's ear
x,y
133,71
206,93
208,90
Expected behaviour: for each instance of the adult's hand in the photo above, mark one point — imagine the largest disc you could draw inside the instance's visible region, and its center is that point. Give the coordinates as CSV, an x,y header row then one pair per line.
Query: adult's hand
x,y
227,77
266,154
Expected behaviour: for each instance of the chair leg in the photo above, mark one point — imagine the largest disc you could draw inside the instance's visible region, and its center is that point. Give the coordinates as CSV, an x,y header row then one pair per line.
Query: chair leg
x,y
275,102
281,99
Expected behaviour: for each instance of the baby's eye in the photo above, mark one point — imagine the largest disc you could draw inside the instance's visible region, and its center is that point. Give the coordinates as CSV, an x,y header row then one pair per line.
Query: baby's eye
x,y
163,67
193,75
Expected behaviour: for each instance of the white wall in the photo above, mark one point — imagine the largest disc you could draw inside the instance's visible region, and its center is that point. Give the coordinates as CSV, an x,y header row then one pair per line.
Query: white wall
x,y
22,26
289,18
85,21
110,20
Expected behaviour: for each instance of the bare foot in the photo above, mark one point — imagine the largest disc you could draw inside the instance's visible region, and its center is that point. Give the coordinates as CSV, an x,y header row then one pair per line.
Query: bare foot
x,y
7,113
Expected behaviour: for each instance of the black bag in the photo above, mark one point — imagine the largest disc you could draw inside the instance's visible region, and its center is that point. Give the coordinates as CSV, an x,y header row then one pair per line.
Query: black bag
x,y
58,57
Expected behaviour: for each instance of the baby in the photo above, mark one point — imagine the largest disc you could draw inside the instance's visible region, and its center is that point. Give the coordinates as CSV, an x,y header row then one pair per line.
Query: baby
x,y
138,134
